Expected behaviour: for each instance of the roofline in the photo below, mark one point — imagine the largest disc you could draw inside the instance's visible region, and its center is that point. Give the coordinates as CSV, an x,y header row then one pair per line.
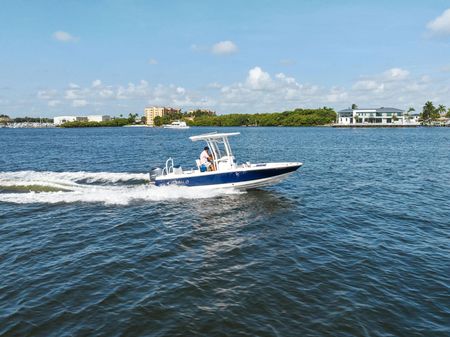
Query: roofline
x,y
370,109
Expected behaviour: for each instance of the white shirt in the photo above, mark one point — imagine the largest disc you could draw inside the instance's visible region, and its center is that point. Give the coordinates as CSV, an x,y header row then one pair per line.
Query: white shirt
x,y
204,156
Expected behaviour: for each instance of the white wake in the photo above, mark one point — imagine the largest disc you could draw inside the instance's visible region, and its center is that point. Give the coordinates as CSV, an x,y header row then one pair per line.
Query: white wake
x,y
95,187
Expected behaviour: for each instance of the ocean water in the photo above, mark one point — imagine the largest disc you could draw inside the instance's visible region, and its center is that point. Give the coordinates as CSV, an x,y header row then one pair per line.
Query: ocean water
x,y
357,243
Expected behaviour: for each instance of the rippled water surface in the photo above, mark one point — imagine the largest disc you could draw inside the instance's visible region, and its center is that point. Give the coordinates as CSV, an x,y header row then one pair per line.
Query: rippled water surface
x,y
356,243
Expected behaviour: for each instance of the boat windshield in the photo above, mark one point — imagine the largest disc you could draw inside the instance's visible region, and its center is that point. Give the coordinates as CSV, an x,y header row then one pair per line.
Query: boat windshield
x,y
219,147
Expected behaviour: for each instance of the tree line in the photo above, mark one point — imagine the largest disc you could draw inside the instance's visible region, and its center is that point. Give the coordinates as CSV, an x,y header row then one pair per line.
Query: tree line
x,y
431,113
297,117
86,124
5,118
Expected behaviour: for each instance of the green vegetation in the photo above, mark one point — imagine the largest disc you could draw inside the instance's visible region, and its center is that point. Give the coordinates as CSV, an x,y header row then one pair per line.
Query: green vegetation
x,y
430,113
85,124
188,116
167,119
440,109
4,119
297,117
32,120
132,118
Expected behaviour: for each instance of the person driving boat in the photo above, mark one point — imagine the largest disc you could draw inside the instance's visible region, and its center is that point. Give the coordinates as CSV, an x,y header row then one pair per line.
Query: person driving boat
x,y
206,159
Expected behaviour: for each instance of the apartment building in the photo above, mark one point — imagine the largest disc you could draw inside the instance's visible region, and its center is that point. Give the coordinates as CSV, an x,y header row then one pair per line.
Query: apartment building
x,y
154,111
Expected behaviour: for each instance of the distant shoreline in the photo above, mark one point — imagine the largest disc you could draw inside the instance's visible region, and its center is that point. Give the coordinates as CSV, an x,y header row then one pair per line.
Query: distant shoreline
x,y
334,126
376,126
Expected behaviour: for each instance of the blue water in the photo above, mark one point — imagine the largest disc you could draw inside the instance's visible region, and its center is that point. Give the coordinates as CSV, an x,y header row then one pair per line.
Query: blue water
x,y
356,243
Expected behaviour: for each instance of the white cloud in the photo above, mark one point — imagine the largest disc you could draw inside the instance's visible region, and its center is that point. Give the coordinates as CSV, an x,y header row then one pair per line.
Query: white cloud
x,y
258,79
441,24
79,103
224,48
46,94
283,77
64,36
368,85
96,83
385,83
106,93
261,92
71,94
152,61
133,90
53,103
257,91
336,95
214,85
396,74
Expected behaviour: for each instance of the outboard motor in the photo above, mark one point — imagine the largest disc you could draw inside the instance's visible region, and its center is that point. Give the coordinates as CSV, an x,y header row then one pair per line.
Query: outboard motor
x,y
155,172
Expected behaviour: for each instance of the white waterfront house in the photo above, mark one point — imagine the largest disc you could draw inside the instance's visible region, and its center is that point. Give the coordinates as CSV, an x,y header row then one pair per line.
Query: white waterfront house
x,y
379,116
98,118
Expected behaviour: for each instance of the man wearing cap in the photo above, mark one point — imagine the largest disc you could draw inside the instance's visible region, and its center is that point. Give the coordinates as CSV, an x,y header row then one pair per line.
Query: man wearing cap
x,y
206,159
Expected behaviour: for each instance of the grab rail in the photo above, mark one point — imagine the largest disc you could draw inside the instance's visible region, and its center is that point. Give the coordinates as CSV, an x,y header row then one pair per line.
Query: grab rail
x,y
168,169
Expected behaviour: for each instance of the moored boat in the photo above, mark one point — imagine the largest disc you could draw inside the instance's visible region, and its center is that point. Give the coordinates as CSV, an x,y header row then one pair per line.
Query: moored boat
x,y
176,125
227,172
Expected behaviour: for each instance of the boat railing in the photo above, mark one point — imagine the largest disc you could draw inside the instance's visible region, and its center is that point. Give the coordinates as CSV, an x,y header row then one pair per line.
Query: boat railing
x,y
169,167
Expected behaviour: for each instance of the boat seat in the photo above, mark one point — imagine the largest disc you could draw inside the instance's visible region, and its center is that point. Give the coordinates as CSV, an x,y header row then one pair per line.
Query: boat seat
x,y
197,161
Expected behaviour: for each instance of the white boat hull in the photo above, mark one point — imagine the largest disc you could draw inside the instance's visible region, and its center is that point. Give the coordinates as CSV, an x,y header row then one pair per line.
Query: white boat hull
x,y
175,127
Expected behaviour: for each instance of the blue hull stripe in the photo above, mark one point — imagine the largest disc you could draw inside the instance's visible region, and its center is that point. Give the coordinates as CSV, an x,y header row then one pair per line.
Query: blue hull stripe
x,y
226,177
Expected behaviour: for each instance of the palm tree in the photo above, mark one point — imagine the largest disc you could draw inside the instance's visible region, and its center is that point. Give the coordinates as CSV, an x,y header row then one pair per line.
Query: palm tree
x,y
440,109
408,113
428,111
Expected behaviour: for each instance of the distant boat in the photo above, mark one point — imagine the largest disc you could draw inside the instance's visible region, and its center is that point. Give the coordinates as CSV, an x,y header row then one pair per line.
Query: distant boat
x,y
176,125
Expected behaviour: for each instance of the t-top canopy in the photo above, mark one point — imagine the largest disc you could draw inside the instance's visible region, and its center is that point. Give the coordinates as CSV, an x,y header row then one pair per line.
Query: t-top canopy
x,y
214,135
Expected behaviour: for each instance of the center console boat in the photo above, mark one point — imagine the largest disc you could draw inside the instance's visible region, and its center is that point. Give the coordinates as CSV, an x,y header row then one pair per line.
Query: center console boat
x,y
227,172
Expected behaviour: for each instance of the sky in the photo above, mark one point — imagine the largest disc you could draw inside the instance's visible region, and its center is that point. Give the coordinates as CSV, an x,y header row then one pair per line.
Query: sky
x,y
116,57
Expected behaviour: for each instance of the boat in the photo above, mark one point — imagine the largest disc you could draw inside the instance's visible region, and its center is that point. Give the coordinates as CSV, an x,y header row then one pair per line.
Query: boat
x,y
227,173
176,125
